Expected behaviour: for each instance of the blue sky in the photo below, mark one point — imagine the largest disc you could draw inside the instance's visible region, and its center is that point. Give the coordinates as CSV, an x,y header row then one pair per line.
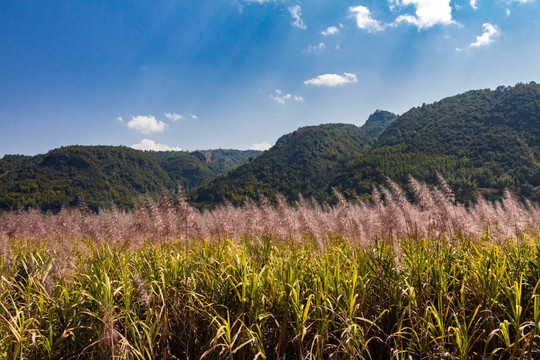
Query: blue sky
x,y
200,74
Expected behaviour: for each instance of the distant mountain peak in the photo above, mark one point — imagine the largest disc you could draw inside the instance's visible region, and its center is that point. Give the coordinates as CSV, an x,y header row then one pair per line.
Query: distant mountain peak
x,y
378,122
302,162
380,116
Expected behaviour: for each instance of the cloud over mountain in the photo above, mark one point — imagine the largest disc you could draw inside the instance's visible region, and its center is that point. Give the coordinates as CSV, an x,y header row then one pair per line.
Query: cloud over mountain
x,y
147,144
332,80
146,124
487,37
282,99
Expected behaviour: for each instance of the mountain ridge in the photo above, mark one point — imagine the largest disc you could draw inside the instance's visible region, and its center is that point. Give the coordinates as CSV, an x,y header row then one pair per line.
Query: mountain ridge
x,y
104,175
481,141
301,163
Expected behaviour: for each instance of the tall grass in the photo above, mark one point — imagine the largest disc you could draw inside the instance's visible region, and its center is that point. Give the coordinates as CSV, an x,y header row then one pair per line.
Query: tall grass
x,y
433,214
388,279
450,299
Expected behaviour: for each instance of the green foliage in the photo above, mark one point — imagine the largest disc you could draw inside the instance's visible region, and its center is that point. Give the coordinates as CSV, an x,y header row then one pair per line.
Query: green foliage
x,y
104,175
99,175
193,169
185,167
259,299
223,160
481,142
377,123
303,162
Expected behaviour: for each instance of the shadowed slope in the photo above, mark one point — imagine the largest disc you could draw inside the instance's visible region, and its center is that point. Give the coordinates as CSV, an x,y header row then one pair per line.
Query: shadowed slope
x,y
303,162
482,142
106,175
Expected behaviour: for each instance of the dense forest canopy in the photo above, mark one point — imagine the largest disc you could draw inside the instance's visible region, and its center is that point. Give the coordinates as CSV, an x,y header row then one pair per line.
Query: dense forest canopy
x,y
482,142
105,175
303,162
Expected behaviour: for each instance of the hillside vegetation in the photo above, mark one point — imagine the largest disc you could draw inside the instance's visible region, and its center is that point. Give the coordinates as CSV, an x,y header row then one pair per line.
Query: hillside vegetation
x,y
383,279
106,175
481,142
303,162
193,169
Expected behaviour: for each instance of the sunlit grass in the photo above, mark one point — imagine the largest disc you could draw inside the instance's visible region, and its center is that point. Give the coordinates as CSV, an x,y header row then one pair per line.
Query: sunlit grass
x,y
387,279
430,298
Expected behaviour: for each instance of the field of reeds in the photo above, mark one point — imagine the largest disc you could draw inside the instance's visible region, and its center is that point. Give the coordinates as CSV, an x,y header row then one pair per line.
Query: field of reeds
x,y
384,279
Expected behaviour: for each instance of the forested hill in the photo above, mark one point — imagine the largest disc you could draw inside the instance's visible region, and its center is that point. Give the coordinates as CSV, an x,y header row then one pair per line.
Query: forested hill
x,y
482,142
105,175
303,162
193,169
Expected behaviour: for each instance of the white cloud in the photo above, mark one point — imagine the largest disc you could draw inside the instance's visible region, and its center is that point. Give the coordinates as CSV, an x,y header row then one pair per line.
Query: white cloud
x,y
288,97
173,116
146,124
120,119
364,20
147,144
428,13
240,3
507,12
316,49
296,13
194,117
260,146
522,1
474,4
487,37
332,80
331,30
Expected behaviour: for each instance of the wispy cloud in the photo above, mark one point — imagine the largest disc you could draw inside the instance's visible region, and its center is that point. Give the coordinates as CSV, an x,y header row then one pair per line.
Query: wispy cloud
x,y
240,3
257,1
173,116
194,117
296,13
428,13
261,146
332,80
487,37
331,30
316,49
146,124
282,99
474,4
120,119
364,20
147,144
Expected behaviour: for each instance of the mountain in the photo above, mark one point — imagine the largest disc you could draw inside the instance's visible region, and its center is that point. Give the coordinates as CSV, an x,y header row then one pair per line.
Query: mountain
x,y
303,162
481,142
376,124
193,169
105,175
